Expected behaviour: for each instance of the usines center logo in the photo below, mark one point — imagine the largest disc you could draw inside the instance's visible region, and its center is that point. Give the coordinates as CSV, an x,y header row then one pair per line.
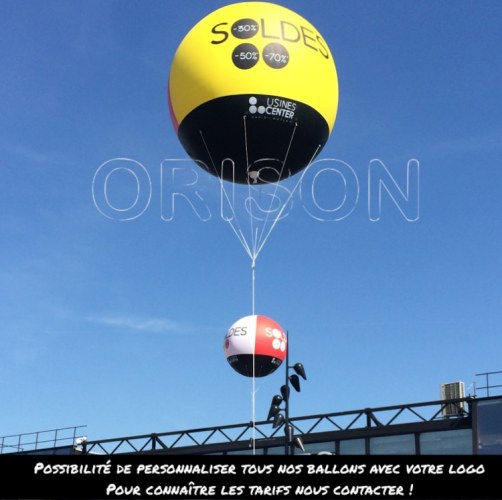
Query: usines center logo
x,y
273,106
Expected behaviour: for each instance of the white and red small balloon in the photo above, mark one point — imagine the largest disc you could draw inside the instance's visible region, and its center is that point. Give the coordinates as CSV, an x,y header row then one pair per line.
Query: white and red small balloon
x,y
255,346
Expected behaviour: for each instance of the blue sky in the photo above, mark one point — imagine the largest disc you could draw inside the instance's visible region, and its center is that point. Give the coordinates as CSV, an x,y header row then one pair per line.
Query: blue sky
x,y
119,325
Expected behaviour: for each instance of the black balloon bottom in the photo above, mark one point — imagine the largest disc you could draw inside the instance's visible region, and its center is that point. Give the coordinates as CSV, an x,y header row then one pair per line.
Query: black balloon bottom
x,y
253,138
263,365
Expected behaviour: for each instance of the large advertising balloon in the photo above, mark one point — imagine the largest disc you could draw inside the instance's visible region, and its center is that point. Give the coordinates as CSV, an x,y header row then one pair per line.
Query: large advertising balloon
x,y
255,83
255,346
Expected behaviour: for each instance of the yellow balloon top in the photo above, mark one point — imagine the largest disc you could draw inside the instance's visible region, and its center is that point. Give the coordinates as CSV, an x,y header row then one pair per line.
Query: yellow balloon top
x,y
254,48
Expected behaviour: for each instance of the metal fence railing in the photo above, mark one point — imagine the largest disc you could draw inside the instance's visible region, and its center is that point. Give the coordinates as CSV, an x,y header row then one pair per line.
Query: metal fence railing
x,y
432,411
30,441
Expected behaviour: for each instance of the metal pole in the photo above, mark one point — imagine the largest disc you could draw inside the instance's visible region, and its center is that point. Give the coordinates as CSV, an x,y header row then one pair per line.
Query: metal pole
x,y
286,420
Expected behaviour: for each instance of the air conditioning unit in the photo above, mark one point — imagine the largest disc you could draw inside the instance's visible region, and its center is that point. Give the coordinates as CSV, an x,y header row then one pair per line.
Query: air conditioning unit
x,y
453,390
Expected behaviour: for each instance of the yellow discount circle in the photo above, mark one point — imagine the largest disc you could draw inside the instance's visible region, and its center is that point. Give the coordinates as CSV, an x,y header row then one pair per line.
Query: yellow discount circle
x,y
253,92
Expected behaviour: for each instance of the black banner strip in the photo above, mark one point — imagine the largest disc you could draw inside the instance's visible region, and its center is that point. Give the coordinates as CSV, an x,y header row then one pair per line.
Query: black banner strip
x,y
248,477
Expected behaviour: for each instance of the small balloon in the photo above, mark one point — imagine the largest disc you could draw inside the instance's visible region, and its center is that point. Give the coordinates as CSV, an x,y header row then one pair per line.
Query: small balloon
x,y
255,346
